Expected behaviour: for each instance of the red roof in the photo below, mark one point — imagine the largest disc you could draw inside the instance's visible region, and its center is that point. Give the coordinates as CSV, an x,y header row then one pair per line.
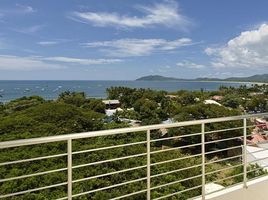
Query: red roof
x,y
217,98
256,138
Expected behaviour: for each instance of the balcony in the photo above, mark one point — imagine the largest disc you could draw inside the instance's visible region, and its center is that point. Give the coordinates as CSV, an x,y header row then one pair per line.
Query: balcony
x,y
201,159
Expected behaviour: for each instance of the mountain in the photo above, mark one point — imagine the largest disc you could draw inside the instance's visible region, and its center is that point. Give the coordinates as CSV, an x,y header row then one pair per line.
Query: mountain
x,y
254,78
157,78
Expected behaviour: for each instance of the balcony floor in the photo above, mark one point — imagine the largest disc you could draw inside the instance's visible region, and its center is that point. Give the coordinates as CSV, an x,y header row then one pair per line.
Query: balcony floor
x,y
257,190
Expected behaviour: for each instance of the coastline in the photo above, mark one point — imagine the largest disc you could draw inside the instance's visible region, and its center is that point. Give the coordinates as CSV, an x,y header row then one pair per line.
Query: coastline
x,y
49,89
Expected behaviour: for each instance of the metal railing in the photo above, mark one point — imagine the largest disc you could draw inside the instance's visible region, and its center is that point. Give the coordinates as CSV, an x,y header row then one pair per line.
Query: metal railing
x,y
197,150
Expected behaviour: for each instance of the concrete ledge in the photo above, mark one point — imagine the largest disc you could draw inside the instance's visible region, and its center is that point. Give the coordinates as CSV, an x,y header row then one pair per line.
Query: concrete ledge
x,y
257,190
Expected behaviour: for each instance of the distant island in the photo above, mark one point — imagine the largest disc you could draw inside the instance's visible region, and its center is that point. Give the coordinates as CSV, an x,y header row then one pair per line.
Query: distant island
x,y
259,78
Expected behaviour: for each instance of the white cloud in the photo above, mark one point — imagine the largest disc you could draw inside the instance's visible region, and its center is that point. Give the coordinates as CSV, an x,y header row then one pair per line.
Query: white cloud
x,y
138,47
83,61
24,9
48,43
166,13
53,42
19,9
191,65
29,30
248,50
8,62
20,63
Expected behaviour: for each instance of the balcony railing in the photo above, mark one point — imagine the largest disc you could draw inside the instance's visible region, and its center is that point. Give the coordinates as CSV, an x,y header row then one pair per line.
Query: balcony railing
x,y
151,142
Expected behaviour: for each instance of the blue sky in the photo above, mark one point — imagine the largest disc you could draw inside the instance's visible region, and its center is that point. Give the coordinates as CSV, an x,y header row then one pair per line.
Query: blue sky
x,y
126,39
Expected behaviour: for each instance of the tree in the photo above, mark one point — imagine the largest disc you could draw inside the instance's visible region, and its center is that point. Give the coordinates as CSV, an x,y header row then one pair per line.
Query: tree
x,y
74,98
147,110
50,118
94,104
22,103
231,101
257,103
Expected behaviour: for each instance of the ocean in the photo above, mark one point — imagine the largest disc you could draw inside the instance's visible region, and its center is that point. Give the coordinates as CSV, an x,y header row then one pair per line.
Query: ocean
x,y
10,90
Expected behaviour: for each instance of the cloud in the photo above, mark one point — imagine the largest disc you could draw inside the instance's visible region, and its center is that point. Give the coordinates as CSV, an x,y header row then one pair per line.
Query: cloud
x,y
48,43
8,62
20,63
54,42
83,61
248,50
24,9
19,9
138,47
166,14
29,30
191,65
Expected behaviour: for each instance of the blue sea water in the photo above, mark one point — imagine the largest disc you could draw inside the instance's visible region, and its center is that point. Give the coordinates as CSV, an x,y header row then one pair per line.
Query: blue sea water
x,y
51,89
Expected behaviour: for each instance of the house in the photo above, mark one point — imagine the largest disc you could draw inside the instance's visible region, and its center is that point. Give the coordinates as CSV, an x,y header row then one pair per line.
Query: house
x,y
255,93
255,138
261,123
209,101
217,98
111,104
168,121
171,96
110,112
131,122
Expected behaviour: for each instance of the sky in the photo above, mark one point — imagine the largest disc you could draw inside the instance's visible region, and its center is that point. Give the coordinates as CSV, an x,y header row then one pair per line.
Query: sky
x,y
127,39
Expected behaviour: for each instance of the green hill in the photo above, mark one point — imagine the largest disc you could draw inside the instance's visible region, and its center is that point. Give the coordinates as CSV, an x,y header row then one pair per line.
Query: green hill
x,y
254,78
157,78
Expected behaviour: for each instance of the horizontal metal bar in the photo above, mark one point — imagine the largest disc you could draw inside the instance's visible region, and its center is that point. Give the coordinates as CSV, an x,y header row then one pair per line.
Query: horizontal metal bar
x,y
224,188
227,187
222,179
259,168
252,126
129,195
108,174
109,187
225,149
63,198
223,169
179,192
258,177
32,190
174,182
110,160
175,159
177,170
109,147
222,140
32,159
23,142
32,175
224,130
224,159
175,137
175,148
259,159
262,149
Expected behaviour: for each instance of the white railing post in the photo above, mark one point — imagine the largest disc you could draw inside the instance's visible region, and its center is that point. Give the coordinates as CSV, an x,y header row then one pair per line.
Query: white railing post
x,y
69,166
245,152
148,164
203,161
